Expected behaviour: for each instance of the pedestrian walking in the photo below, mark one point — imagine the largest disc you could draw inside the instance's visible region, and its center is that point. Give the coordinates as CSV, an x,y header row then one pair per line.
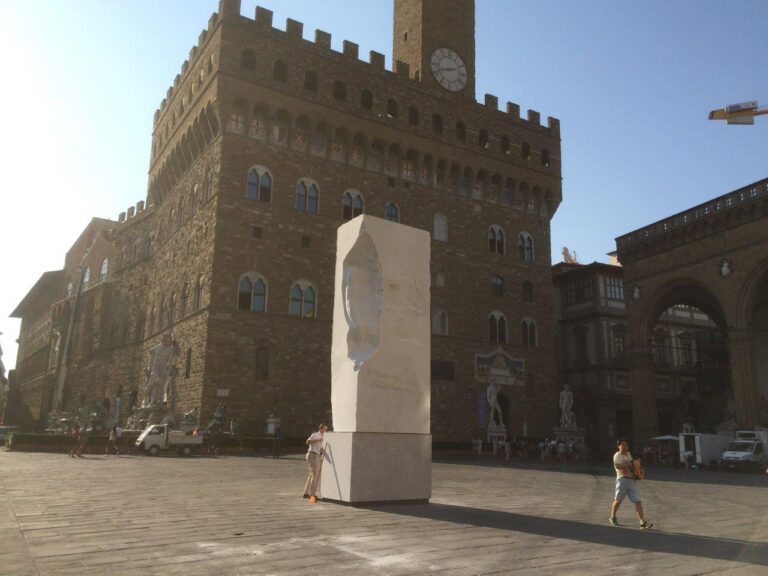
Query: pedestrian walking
x,y
82,441
314,460
112,441
75,434
626,485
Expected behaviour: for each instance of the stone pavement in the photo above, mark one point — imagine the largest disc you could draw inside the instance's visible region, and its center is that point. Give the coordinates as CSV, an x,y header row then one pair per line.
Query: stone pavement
x,y
244,515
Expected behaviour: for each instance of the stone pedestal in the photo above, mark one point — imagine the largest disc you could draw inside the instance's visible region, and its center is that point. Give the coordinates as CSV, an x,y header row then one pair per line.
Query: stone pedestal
x,y
496,432
380,449
363,467
576,435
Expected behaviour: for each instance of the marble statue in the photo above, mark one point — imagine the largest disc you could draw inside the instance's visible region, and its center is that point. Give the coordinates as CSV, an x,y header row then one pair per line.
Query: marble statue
x,y
567,417
161,359
492,395
380,368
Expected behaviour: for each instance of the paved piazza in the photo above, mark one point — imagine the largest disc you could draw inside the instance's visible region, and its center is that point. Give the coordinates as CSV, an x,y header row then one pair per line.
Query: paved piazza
x,y
244,515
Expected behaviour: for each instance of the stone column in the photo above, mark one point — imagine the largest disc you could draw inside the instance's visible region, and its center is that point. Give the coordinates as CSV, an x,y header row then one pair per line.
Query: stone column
x,y
745,393
644,413
381,447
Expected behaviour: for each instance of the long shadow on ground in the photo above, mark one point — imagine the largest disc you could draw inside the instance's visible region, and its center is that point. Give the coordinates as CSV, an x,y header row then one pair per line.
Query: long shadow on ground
x,y
657,473
633,538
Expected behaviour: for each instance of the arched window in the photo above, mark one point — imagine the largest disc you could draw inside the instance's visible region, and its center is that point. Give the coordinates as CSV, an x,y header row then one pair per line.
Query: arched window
x,y
172,309
162,317
461,132
307,196
525,150
103,270
198,303
497,327
483,138
497,285
545,157
440,322
248,60
413,116
184,304
440,228
527,291
528,333
366,100
262,363
340,90
437,124
525,247
310,81
237,117
152,321
244,289
193,202
504,145
391,212
259,184
188,364
302,300
496,242
393,108
208,186
351,205
280,71
252,293
86,278
150,244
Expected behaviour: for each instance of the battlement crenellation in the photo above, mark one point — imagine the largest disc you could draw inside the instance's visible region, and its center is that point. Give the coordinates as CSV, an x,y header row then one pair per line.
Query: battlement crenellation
x,y
294,31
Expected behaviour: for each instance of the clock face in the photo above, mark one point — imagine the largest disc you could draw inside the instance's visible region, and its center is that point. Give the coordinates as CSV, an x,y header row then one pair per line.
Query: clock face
x,y
449,69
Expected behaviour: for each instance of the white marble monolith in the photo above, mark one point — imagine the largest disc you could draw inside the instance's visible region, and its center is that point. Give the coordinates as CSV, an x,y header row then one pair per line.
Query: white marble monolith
x,y
380,448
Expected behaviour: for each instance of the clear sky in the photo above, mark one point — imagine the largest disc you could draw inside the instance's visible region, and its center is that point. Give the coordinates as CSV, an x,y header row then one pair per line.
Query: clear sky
x,y
631,82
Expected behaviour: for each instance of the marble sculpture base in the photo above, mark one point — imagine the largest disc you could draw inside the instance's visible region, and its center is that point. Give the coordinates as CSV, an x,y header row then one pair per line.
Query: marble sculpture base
x,y
374,467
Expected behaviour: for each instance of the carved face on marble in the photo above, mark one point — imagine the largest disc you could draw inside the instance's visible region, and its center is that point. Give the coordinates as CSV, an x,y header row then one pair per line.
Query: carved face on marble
x,y
362,294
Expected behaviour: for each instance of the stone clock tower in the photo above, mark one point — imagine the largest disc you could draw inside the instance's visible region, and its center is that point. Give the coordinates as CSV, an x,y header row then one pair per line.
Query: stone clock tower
x,y
436,38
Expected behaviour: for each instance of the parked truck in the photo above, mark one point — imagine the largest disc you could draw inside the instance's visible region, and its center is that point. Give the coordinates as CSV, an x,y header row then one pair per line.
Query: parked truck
x,y
161,437
747,451
703,449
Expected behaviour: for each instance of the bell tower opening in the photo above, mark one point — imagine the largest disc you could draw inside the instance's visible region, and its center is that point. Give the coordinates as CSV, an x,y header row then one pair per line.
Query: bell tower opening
x,y
436,38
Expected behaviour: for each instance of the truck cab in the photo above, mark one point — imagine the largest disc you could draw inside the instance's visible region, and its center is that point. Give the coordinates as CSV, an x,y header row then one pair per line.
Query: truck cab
x,y
748,450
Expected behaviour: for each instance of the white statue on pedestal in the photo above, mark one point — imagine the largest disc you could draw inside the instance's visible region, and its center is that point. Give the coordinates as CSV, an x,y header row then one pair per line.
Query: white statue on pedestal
x,y
161,358
492,394
567,417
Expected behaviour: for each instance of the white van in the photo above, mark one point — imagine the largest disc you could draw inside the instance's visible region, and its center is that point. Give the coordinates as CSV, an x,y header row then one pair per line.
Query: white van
x,y
748,450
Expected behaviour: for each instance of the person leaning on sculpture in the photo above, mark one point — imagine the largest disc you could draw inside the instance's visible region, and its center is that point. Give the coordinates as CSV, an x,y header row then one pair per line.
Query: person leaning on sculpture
x,y
161,358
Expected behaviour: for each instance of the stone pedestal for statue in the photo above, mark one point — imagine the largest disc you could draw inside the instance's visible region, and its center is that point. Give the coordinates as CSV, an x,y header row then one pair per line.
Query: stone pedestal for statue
x,y
577,436
381,447
496,433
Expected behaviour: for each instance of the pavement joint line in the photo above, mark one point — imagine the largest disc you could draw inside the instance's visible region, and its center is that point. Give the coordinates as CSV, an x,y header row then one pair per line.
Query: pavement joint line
x,y
30,557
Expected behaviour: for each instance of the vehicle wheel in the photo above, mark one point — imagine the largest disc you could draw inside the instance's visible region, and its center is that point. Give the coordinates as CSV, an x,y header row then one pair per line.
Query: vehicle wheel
x,y
186,451
154,450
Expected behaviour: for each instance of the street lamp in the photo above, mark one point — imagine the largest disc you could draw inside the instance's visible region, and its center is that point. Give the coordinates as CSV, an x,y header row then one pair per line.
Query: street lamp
x,y
742,113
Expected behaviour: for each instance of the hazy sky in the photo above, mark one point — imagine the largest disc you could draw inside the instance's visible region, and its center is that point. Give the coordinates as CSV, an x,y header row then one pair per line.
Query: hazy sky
x,y
631,82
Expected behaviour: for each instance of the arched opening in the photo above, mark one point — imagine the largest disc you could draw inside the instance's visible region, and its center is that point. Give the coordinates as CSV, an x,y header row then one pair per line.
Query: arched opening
x,y
686,335
757,323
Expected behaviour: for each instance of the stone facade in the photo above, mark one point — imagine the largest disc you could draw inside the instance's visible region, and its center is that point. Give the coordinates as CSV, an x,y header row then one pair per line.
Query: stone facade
x,y
713,257
593,358
255,146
